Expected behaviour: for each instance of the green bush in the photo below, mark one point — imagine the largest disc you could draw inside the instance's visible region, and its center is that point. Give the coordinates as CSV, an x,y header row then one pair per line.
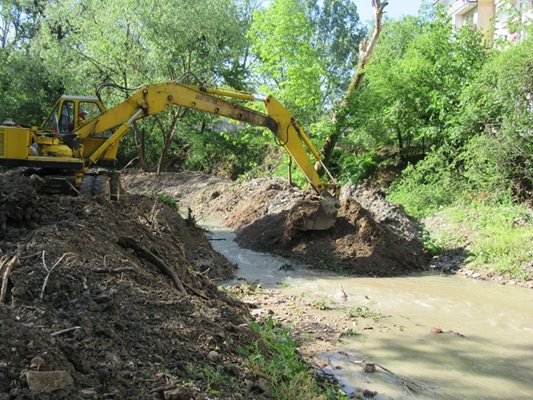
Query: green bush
x,y
352,167
485,175
229,154
424,188
169,201
497,118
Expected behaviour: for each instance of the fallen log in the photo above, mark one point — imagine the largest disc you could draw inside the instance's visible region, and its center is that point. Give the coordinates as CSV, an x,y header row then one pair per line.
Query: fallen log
x,y
7,266
130,243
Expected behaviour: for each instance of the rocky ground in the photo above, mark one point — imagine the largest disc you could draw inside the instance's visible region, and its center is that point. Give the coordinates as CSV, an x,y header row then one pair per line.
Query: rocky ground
x,y
312,321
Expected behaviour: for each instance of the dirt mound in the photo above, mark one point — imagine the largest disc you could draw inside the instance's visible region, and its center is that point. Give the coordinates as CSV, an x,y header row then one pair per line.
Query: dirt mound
x,y
385,213
84,306
371,236
206,195
357,244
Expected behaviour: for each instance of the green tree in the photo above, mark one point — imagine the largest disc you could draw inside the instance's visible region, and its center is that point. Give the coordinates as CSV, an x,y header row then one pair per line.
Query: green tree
x,y
282,39
26,86
486,148
414,84
306,50
337,32
28,92
130,43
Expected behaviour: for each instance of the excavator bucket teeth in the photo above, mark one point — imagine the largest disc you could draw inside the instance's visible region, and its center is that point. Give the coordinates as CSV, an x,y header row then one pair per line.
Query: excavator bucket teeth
x,y
324,217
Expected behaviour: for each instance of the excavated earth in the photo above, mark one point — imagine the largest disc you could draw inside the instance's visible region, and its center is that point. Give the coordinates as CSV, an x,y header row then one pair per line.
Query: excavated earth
x,y
371,236
83,316
89,309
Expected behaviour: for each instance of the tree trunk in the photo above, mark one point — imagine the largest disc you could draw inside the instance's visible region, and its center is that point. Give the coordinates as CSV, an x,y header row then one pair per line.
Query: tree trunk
x,y
138,136
339,117
168,135
400,143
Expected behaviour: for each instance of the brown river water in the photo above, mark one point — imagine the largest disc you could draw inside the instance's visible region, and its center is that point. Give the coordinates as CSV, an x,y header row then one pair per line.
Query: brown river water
x,y
493,360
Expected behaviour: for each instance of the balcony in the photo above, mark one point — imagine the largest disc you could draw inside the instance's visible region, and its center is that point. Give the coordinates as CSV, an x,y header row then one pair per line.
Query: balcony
x,y
461,7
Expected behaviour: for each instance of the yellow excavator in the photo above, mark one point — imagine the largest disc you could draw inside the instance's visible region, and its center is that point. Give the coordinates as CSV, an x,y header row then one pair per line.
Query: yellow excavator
x,y
67,148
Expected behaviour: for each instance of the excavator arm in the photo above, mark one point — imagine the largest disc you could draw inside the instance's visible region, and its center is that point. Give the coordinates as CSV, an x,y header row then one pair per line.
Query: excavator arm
x,y
152,99
65,147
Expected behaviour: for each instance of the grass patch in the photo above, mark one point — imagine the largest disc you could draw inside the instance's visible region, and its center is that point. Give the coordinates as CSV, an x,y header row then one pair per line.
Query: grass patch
x,y
168,200
365,312
322,304
290,378
498,237
213,379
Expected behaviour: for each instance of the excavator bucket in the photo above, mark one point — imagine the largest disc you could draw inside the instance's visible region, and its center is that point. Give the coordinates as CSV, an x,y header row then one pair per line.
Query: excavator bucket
x,y
324,217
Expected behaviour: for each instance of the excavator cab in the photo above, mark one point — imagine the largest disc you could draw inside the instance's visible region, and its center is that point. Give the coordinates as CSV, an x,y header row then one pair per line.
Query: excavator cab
x,y
70,113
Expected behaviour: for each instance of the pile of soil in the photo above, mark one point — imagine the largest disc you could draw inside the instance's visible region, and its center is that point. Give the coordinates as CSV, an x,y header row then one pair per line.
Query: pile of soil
x,y
370,237
85,314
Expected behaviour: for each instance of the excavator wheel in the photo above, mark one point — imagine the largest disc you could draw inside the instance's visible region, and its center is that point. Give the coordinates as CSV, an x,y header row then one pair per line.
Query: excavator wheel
x,y
101,187
87,185
105,185
96,185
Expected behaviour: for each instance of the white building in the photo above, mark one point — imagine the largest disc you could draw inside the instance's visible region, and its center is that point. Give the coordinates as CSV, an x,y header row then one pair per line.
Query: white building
x,y
493,17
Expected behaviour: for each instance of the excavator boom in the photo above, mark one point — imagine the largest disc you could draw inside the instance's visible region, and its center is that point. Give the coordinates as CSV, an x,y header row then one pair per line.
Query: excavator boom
x,y
152,99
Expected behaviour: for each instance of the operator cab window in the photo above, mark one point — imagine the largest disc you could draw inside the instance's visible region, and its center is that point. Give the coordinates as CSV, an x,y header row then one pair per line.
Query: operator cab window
x,y
66,120
51,123
91,108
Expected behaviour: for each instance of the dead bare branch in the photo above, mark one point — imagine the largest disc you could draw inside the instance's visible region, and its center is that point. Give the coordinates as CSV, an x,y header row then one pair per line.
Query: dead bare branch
x,y
7,266
151,257
366,48
49,271
365,51
78,193
408,383
28,256
3,262
62,331
114,271
130,162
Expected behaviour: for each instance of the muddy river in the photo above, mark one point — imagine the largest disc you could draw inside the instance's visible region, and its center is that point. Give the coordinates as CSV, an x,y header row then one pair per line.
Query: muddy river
x,y
484,352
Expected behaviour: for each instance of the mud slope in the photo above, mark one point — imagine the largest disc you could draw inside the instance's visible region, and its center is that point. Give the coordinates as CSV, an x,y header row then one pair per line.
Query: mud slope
x,y
375,239
78,302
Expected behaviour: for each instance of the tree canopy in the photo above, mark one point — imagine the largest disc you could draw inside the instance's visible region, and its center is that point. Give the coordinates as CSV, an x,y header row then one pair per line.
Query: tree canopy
x,y
436,104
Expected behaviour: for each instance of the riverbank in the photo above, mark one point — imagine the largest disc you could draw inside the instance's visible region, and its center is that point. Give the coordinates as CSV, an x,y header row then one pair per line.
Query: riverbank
x,y
102,300
484,242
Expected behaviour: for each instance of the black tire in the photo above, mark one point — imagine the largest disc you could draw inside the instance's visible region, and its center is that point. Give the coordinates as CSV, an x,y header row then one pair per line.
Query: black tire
x,y
87,185
101,187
